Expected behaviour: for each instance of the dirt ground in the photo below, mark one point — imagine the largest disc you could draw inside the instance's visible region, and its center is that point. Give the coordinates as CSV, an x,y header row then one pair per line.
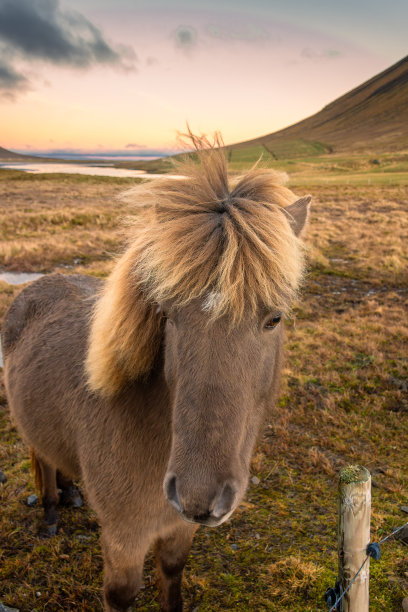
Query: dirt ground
x,y
344,400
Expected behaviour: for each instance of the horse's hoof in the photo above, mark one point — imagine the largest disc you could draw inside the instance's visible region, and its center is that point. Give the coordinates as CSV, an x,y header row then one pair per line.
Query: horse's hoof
x,y
71,497
50,530
77,502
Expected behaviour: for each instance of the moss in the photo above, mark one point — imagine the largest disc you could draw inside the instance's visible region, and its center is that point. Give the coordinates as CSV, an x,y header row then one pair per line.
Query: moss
x,y
354,473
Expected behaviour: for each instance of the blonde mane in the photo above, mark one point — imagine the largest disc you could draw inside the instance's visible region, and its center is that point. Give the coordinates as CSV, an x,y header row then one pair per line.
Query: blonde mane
x,y
197,236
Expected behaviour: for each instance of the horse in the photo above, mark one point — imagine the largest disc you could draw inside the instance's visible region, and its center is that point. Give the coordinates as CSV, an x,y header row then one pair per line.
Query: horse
x,y
151,387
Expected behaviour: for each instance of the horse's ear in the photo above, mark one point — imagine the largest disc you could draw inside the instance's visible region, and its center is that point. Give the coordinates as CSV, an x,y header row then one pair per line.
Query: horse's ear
x,y
298,214
126,332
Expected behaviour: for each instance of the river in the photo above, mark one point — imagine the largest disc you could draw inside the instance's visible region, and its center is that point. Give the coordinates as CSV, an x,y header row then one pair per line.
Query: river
x,y
92,169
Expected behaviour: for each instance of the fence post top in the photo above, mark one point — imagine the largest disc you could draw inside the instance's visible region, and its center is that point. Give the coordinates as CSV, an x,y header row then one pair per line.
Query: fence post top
x,y
354,474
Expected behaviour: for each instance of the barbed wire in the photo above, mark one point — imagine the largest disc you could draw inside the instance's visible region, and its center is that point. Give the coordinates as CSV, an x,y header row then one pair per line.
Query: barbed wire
x,y
373,550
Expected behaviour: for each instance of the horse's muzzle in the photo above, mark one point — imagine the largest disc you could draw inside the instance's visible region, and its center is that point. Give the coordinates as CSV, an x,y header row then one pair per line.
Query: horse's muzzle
x,y
194,509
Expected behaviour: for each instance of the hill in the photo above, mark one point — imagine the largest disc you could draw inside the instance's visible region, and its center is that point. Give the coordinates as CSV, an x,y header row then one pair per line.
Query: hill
x,y
372,118
6,155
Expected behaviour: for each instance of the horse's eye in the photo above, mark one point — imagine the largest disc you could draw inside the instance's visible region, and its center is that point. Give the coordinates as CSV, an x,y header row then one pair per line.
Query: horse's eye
x,y
168,319
273,321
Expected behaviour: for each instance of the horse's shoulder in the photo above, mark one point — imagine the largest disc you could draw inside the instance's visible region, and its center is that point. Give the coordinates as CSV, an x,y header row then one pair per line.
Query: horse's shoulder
x,y
41,298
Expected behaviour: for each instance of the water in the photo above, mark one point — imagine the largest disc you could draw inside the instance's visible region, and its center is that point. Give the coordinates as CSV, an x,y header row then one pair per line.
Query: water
x,y
91,170
18,278
92,157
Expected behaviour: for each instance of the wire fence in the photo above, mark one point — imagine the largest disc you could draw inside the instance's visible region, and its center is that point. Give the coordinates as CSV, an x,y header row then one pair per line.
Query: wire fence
x,y
334,595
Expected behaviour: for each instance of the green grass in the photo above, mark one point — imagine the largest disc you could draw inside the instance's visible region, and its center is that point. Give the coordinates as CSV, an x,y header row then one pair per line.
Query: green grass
x,y
315,166
357,179
286,149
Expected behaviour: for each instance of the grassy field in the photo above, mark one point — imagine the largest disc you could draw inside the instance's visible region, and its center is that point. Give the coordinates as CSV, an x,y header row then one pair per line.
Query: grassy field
x,y
344,400
317,166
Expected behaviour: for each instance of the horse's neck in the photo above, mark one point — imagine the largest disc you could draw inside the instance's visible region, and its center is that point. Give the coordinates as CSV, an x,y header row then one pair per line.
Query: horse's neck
x,y
153,399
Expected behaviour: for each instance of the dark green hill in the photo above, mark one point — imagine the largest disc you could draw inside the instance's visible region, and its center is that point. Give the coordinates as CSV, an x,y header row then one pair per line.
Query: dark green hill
x,y
373,117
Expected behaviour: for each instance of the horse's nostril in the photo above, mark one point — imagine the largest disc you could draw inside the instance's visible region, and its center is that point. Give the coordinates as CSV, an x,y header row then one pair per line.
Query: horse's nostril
x,y
170,491
224,502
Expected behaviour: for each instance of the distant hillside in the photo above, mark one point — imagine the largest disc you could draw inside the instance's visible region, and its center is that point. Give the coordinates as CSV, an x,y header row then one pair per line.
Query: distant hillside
x,y
372,117
6,155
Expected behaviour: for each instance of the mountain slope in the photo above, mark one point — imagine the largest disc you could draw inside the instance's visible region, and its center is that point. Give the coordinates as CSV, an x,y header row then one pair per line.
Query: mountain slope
x,y
6,155
371,117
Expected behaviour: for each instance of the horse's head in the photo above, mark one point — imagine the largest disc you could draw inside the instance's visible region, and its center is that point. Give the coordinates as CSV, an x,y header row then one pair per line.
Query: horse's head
x,y
223,376
211,272
221,380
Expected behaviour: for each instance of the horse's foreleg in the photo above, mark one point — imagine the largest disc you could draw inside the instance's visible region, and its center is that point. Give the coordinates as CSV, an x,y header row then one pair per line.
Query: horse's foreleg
x,y
171,556
123,569
70,495
49,496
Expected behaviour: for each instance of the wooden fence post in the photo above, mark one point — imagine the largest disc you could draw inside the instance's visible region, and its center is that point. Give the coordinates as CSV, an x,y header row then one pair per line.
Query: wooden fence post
x,y
354,536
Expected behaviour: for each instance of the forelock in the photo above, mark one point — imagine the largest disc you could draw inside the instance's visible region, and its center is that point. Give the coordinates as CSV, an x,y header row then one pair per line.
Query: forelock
x,y
225,241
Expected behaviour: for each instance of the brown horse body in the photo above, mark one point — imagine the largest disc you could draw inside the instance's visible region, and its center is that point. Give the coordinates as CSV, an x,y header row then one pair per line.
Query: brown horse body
x,y
185,417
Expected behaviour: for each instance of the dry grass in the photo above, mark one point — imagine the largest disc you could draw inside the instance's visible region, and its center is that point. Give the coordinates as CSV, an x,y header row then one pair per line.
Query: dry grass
x,y
53,221
344,400
299,574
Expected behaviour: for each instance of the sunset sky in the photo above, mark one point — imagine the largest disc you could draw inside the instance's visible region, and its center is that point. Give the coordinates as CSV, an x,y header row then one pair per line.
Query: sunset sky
x,y
126,75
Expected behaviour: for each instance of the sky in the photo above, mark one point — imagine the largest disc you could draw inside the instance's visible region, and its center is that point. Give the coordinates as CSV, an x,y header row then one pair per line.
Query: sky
x,y
127,75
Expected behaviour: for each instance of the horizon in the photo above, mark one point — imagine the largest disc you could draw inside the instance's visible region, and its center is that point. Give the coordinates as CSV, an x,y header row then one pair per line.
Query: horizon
x,y
108,154
106,79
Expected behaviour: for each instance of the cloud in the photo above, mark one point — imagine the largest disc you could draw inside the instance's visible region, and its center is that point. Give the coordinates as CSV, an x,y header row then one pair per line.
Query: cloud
x,y
134,145
11,81
151,60
247,32
320,55
41,30
185,37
